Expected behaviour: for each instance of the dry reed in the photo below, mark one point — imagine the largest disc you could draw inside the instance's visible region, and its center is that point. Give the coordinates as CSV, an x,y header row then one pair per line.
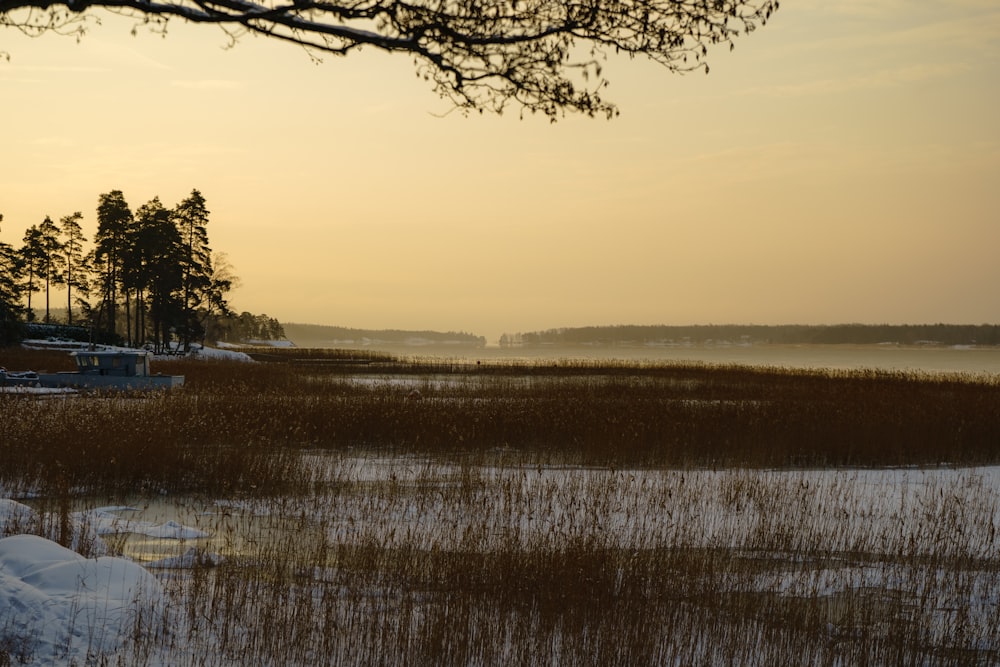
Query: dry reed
x,y
570,513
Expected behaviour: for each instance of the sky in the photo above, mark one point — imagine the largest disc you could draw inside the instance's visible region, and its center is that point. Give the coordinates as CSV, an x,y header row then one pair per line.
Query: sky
x,y
841,164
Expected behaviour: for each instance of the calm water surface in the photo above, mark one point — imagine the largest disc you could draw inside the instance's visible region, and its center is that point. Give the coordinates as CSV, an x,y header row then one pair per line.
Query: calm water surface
x,y
969,360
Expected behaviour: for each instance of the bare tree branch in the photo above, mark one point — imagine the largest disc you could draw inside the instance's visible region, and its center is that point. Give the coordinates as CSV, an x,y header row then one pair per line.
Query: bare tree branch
x,y
543,55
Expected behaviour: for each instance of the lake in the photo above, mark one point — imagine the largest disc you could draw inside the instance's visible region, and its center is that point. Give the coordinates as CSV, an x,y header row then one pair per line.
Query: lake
x,y
931,359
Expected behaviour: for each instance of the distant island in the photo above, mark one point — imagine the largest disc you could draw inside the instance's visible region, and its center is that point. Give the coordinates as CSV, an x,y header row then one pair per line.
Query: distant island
x,y
319,335
635,336
733,334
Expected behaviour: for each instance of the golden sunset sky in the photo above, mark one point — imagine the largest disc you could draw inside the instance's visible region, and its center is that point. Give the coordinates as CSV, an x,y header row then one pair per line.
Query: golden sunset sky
x,y
842,164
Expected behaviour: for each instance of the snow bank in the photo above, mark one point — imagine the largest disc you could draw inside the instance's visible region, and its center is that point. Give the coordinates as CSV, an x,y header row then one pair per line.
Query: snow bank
x,y
105,521
59,607
37,391
197,351
216,353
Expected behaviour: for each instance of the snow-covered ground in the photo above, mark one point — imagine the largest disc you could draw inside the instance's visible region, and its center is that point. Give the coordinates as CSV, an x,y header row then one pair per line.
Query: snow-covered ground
x,y
38,392
813,533
197,351
59,607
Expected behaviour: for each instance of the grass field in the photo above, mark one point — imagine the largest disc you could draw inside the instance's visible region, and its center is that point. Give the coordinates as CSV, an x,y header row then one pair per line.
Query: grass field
x,y
550,513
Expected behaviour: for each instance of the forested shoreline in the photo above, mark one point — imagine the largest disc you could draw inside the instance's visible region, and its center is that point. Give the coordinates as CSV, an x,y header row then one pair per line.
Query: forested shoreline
x,y
321,335
150,278
837,334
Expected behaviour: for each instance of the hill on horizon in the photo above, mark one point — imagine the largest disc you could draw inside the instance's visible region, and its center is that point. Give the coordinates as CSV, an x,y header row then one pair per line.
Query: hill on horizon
x,y
794,334
323,335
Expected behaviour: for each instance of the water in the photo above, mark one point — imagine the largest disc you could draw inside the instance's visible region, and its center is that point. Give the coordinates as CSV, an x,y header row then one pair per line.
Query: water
x,y
930,359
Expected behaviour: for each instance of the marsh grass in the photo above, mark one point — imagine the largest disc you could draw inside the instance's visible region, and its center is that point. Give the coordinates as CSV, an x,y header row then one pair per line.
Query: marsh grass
x,y
234,427
431,563
555,513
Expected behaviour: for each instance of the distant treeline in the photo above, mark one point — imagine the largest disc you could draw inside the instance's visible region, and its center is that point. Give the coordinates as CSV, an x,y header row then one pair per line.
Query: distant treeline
x,y
230,327
851,334
318,335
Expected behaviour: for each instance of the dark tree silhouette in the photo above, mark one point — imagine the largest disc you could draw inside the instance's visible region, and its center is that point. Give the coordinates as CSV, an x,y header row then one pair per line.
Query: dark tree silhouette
x,y
113,221
191,218
10,293
77,271
543,55
52,260
160,251
32,256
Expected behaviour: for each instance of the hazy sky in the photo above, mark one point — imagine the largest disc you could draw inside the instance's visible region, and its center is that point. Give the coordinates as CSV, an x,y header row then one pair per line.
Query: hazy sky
x,y
842,164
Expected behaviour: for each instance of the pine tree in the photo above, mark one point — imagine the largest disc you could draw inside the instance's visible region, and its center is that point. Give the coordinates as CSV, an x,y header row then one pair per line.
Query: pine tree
x,y
191,218
51,266
31,257
113,220
10,293
77,271
156,257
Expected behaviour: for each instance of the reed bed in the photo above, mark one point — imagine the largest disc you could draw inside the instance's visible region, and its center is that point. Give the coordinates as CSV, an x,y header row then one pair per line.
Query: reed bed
x,y
234,426
416,561
568,513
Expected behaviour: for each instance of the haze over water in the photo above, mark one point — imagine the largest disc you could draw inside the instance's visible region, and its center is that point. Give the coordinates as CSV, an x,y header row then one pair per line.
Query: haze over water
x,y
930,359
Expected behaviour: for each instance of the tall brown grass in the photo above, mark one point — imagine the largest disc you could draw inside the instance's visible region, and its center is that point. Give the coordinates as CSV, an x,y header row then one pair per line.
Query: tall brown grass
x,y
234,426
422,563
570,513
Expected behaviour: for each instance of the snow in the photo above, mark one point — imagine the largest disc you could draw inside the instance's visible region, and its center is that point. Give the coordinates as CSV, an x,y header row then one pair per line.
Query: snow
x,y
38,392
16,518
197,351
105,521
218,353
61,606
58,607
